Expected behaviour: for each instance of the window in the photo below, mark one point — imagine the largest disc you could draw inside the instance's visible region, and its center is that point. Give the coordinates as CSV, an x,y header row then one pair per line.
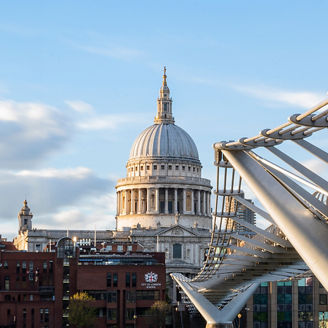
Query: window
x,y
147,294
129,248
112,296
45,266
17,267
109,280
141,168
193,169
101,312
177,167
51,266
170,167
115,280
129,314
189,168
177,251
155,167
162,167
127,279
147,167
46,315
24,267
130,296
323,299
7,283
134,279
111,314
165,107
120,248
183,167
5,265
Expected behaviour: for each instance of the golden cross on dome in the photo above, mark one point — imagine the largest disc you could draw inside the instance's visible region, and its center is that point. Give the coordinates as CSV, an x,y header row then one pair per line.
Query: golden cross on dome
x,y
164,76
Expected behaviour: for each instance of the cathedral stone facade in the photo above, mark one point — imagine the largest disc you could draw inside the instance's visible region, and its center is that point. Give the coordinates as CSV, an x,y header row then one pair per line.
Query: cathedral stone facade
x,y
164,202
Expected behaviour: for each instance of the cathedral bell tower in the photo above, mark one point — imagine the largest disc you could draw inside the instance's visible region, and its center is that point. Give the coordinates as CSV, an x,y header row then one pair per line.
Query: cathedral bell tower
x,y
164,104
25,218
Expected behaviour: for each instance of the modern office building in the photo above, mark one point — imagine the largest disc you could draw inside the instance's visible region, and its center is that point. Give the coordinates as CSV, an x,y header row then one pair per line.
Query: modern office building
x,y
287,304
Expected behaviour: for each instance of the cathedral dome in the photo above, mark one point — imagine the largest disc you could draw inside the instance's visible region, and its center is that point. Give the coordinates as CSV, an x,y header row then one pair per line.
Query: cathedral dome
x,y
164,141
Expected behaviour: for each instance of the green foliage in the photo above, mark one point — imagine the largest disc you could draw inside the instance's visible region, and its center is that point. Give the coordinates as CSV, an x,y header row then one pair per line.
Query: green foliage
x,y
81,313
157,313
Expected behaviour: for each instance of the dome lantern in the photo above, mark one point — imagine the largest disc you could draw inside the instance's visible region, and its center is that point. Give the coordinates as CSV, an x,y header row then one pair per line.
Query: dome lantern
x,y
164,104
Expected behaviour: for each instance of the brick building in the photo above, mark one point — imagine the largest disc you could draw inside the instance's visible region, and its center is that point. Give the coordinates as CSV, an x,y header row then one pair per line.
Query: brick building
x,y
35,286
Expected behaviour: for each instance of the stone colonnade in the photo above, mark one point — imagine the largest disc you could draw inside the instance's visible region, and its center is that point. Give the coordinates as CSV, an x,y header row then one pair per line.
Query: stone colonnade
x,y
163,201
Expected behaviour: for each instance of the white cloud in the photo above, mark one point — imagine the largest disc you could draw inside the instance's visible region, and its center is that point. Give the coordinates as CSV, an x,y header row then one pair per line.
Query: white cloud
x,y
79,106
94,212
76,173
68,198
317,166
29,132
304,99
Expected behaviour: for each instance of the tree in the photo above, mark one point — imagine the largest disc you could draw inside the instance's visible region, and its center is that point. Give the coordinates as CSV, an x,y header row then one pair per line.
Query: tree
x,y
81,314
157,313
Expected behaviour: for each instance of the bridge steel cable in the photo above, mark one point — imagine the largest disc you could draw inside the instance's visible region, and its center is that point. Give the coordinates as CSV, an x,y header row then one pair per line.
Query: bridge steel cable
x,y
295,203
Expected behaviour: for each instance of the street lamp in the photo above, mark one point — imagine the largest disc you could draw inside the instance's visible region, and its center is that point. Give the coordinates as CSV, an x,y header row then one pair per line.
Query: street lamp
x,y
239,317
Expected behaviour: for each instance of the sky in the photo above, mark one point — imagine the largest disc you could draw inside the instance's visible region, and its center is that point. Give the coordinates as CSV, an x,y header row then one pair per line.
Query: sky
x,y
79,82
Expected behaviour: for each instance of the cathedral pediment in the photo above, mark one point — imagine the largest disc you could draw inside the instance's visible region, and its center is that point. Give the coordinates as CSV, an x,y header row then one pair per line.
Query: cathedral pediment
x,y
177,230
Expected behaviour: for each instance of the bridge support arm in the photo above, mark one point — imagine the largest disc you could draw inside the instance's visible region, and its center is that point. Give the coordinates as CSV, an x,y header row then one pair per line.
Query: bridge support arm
x,y
305,232
208,310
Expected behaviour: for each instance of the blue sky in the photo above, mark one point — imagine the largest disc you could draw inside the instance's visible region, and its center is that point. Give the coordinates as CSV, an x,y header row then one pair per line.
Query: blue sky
x,y
79,81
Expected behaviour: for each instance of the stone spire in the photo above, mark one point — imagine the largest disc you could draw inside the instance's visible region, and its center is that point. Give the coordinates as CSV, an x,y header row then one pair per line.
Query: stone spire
x,y
164,104
25,218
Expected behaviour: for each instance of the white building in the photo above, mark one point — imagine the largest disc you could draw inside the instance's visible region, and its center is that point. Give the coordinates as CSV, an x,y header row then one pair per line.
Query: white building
x,y
164,202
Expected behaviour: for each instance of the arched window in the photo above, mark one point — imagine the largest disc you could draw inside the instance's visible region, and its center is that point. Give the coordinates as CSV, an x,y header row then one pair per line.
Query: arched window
x,y
177,251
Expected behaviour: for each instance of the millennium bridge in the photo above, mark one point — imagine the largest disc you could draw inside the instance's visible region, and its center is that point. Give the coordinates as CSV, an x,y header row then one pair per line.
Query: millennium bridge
x,y
295,202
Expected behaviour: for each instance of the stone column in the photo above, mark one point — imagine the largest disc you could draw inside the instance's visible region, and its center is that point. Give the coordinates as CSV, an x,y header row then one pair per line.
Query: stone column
x,y
148,201
204,203
198,202
131,202
139,201
209,203
192,202
183,201
126,202
157,199
175,209
117,203
166,209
